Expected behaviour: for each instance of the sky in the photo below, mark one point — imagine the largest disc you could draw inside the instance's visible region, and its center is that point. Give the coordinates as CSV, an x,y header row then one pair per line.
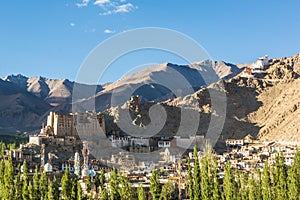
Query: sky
x,y
52,38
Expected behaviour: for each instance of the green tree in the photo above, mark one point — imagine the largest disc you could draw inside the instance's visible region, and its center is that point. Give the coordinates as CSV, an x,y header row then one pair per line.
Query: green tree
x,y
293,183
252,188
102,178
228,186
2,148
50,194
18,185
25,187
197,176
113,183
167,191
206,180
125,190
215,179
259,185
66,185
79,191
74,195
155,187
31,190
2,167
8,181
104,195
281,185
43,186
88,183
141,193
245,189
190,180
36,184
55,187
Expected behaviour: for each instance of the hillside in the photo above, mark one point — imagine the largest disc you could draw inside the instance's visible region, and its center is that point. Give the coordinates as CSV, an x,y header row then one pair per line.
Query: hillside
x,y
264,108
19,110
155,83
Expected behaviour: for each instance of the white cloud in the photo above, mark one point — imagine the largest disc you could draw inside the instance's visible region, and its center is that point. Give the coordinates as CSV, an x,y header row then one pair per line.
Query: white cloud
x,y
109,7
101,2
108,31
83,3
72,24
123,8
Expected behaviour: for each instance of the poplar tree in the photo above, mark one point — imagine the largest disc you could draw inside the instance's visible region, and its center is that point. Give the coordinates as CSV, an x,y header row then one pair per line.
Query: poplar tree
x,y
50,194
125,190
281,185
113,183
190,180
25,187
245,189
31,190
74,195
197,178
79,191
2,166
88,183
18,185
228,183
36,189
104,195
55,187
238,186
8,181
43,186
205,179
167,191
293,183
141,193
258,183
155,187
252,188
66,185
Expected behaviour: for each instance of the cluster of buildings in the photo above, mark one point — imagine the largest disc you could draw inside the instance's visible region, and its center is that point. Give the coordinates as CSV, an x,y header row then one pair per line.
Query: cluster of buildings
x,y
248,154
59,146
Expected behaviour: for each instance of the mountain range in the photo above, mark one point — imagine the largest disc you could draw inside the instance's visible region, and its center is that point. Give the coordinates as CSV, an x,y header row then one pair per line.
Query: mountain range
x,y
25,101
266,108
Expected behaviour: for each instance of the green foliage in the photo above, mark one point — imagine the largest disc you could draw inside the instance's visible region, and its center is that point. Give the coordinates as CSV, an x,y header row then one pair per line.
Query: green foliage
x,y
74,193
25,187
228,186
141,193
8,181
79,191
190,180
294,179
18,185
125,190
43,186
104,195
66,185
88,183
36,185
113,183
155,187
281,185
197,176
167,191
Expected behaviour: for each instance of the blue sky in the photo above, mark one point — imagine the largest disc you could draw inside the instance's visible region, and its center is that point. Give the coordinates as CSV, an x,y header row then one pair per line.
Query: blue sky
x,y
51,38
